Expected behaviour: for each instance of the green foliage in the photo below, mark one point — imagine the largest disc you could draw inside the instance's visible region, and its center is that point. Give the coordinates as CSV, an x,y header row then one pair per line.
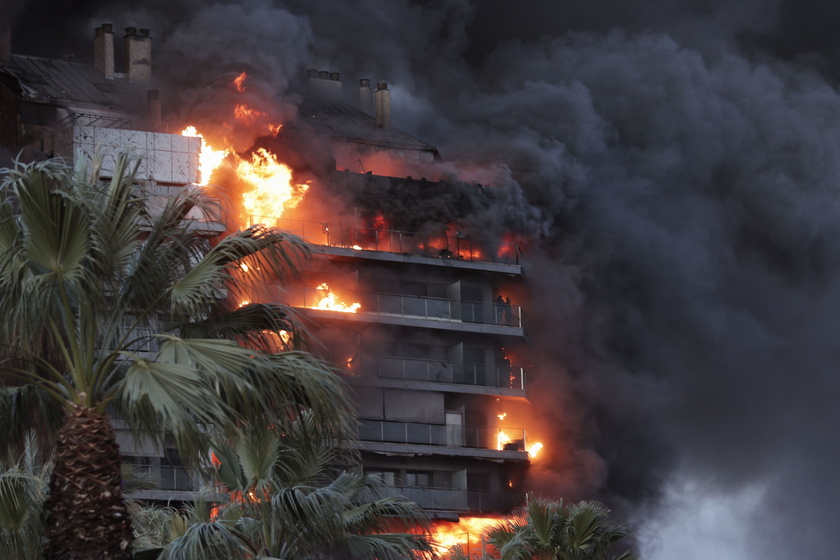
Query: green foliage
x,y
23,488
282,501
550,530
111,299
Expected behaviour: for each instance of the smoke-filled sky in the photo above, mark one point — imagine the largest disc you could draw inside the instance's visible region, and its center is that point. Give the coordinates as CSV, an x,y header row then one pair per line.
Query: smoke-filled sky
x,y
676,164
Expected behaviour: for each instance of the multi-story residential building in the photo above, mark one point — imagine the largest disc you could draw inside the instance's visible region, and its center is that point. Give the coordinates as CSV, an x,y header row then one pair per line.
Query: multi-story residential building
x,y
430,351
416,321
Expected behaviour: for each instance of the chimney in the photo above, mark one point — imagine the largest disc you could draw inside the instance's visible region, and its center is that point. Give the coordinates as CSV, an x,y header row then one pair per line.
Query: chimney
x,y
325,84
138,54
335,86
382,100
365,96
103,50
153,101
5,39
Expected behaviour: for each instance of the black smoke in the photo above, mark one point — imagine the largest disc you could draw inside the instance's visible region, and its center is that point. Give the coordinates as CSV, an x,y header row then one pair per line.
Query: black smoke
x,y
677,166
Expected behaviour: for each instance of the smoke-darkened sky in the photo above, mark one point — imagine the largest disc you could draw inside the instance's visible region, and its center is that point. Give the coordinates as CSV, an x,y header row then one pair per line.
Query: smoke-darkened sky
x,y
676,165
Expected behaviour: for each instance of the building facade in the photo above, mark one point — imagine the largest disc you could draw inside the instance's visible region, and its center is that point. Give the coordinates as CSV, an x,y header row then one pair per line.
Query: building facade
x,y
433,350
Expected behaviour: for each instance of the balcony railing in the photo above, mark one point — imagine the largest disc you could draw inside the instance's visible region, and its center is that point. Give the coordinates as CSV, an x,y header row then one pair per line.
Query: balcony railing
x,y
410,306
458,247
457,499
449,435
436,371
164,476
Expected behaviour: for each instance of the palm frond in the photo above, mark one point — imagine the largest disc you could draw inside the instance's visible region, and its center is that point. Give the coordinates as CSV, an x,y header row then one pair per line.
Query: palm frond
x,y
208,541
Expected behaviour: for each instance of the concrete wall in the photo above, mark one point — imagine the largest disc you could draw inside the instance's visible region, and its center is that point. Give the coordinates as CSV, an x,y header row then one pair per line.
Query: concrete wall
x,y
166,158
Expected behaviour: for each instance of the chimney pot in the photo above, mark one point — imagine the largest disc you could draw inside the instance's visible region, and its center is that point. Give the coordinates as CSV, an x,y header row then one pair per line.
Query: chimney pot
x,y
131,31
324,75
311,73
335,76
144,32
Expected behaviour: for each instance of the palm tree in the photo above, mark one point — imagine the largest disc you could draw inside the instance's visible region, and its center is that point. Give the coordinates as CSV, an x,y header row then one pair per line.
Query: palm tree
x,y
113,301
283,500
23,487
549,530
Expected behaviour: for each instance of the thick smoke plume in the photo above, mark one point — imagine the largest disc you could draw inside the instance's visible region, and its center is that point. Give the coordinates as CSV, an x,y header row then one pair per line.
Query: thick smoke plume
x,y
676,166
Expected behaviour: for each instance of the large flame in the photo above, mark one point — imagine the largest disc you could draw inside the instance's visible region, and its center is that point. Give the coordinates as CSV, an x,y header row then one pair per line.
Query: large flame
x,y
208,159
272,189
330,301
468,532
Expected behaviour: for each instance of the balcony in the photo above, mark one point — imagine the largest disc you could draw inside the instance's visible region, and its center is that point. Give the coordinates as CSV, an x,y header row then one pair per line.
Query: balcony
x,y
460,500
394,305
436,371
447,435
457,247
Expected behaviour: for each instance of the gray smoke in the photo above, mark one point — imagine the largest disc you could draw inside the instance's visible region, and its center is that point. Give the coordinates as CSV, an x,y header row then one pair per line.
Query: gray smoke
x,y
675,164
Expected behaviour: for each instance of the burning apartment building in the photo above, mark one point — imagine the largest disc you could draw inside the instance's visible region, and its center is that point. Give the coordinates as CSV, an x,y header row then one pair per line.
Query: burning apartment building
x,y
413,302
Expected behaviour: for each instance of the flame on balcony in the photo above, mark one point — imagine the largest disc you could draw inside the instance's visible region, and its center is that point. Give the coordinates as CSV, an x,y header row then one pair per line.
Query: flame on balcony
x,y
331,302
467,533
271,187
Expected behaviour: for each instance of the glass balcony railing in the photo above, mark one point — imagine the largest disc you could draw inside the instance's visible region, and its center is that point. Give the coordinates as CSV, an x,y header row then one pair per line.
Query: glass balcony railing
x,y
449,435
436,371
407,306
164,475
456,499
459,247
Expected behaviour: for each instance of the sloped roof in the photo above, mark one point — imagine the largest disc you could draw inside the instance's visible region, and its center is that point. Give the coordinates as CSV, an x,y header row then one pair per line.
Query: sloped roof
x,y
61,82
345,122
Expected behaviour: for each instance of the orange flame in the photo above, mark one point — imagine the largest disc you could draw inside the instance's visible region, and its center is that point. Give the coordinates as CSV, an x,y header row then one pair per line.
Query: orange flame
x,y
534,450
208,159
272,189
330,301
239,81
247,115
467,532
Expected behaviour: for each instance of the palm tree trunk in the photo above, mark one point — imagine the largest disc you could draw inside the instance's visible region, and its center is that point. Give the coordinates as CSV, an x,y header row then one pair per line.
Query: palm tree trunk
x,y
88,518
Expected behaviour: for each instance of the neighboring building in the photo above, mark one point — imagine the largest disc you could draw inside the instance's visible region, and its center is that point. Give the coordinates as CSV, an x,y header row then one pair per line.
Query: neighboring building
x,y
429,352
59,108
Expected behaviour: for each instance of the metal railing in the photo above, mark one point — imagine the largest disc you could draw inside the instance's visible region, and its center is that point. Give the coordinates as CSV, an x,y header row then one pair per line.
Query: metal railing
x,y
165,476
409,306
458,247
111,121
437,371
457,499
449,435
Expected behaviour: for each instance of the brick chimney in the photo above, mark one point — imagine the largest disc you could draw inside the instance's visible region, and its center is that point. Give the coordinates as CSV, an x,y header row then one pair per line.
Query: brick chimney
x,y
138,54
382,100
103,49
365,96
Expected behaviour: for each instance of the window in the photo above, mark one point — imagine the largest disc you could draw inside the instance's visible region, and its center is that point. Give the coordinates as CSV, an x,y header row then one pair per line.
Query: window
x,y
388,477
420,479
